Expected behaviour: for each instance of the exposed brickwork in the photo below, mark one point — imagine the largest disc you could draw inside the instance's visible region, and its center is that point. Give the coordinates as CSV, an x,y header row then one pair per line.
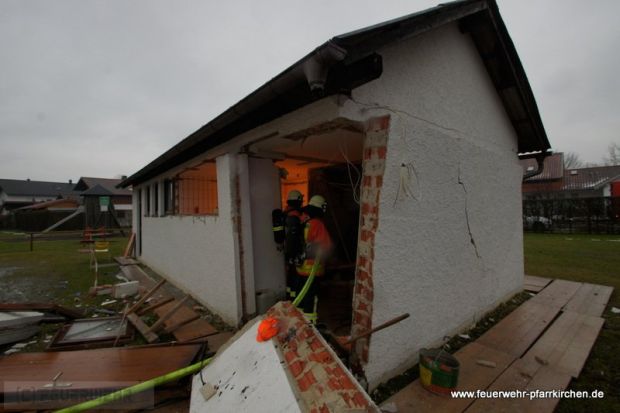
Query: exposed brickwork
x,y
324,384
375,152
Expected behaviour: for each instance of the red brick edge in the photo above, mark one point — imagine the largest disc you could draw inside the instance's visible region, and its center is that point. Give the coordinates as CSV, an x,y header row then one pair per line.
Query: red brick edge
x,y
323,383
375,150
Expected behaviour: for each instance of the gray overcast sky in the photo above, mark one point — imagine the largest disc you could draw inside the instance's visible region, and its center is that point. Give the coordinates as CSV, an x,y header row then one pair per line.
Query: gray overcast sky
x,y
100,88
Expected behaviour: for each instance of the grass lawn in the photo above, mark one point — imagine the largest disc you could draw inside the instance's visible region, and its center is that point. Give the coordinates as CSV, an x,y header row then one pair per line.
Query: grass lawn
x,y
594,259
55,271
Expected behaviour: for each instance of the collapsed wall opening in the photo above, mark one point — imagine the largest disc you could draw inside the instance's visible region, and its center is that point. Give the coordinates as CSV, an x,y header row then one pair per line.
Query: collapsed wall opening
x,y
326,163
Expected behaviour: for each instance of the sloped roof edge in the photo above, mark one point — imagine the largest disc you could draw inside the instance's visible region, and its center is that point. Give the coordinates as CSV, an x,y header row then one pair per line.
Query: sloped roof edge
x,y
352,60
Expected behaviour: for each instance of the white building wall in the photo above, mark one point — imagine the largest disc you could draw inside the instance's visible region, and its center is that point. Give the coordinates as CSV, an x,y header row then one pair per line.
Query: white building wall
x,y
449,127
269,271
199,254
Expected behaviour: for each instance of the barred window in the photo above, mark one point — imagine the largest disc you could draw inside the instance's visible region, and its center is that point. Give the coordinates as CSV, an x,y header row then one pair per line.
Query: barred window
x,y
195,191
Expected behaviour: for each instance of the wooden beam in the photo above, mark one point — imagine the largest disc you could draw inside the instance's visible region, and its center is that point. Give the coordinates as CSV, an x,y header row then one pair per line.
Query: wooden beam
x,y
130,245
157,304
146,296
142,327
169,314
175,326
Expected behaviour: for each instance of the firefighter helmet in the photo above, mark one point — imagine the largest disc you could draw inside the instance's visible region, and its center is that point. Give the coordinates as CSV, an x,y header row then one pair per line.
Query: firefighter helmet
x,y
295,195
318,201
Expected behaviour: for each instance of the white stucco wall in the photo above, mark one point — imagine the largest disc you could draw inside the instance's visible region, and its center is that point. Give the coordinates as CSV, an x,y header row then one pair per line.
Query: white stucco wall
x,y
269,273
449,125
199,254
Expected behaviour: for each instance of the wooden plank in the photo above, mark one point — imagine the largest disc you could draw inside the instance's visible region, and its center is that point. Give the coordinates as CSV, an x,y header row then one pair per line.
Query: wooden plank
x,y
154,305
172,308
130,245
135,273
188,332
146,296
174,327
590,299
44,307
196,329
556,294
126,261
472,377
534,283
565,346
532,288
516,332
216,341
142,327
181,406
100,369
522,375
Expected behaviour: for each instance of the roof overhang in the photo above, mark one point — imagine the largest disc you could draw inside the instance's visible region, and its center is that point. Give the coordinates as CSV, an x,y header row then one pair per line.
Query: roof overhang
x,y
351,60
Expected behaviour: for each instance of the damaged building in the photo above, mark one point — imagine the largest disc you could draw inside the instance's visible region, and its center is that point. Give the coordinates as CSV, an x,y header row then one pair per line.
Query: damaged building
x,y
411,130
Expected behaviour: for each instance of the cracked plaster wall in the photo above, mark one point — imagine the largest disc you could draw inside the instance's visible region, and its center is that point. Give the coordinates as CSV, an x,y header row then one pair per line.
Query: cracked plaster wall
x,y
452,249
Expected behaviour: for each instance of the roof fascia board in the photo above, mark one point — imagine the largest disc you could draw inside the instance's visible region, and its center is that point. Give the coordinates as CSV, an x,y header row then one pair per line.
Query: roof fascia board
x,y
518,73
320,111
404,28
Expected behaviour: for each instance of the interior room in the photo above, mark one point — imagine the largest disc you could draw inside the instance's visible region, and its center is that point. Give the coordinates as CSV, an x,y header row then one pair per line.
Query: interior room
x,y
326,163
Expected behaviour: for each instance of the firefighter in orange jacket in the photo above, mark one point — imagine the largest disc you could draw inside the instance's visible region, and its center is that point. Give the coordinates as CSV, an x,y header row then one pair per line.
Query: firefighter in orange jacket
x,y
316,239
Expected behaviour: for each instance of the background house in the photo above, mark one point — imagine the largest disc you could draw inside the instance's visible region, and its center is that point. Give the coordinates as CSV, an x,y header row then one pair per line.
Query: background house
x,y
15,193
411,129
571,200
550,180
37,205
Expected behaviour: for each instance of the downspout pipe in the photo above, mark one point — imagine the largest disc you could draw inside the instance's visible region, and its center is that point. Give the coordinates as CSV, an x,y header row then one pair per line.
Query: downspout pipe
x,y
540,160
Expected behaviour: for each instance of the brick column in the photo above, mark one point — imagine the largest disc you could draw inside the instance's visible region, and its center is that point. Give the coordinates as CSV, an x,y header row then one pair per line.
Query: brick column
x,y
375,149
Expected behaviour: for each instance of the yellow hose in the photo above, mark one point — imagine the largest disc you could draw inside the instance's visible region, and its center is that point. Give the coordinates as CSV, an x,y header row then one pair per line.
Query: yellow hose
x,y
149,384
309,281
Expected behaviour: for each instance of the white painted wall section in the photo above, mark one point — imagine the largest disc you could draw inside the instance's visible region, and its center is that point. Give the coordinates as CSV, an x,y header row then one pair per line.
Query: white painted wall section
x,y
243,232
269,272
249,377
199,253
455,250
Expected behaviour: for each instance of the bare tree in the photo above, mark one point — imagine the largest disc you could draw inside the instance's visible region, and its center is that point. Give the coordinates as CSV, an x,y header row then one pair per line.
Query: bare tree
x,y
613,154
572,160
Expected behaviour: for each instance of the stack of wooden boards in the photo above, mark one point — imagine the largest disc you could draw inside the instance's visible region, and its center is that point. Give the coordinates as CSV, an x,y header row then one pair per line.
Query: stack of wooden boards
x,y
541,345
174,316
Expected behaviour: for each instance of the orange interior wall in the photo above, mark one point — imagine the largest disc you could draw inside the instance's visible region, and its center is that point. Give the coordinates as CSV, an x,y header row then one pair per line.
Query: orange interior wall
x,y
297,178
197,190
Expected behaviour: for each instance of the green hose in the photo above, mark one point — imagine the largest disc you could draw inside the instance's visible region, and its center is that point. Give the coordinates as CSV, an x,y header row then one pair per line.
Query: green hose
x,y
149,384
309,281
